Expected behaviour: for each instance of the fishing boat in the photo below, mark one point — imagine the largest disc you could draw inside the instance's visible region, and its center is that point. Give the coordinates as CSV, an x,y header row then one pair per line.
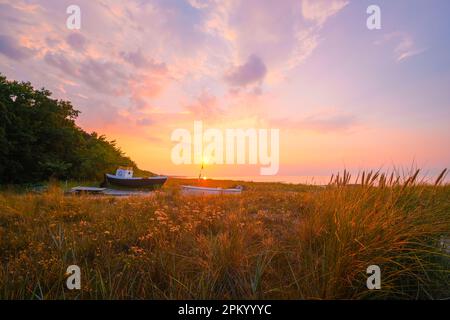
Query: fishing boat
x,y
193,190
124,178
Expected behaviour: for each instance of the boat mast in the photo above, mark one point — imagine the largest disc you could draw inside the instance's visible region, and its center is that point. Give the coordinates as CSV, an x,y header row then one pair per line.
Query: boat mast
x,y
201,169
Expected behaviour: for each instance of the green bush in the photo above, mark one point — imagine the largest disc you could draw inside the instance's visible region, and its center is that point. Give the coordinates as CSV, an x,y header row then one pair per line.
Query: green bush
x,y
40,140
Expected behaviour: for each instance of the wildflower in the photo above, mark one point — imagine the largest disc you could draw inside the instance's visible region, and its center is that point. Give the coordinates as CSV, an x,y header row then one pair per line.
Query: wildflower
x,y
83,223
137,250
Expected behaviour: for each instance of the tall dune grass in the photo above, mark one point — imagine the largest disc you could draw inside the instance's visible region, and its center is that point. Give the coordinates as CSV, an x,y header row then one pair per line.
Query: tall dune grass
x,y
272,242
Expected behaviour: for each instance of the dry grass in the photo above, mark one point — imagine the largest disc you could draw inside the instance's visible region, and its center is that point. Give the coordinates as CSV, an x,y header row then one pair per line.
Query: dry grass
x,y
274,241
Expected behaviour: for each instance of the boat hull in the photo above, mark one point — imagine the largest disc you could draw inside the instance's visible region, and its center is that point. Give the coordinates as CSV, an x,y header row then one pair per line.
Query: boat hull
x,y
208,191
152,182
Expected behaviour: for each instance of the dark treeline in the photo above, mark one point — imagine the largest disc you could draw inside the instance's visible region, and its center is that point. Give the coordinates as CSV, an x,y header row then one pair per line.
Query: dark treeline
x,y
40,140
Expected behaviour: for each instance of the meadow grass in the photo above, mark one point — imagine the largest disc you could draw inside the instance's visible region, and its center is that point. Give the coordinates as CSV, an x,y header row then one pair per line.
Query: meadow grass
x,y
275,241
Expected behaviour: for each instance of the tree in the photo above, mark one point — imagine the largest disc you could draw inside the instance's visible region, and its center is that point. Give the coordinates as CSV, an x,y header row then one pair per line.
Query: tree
x,y
39,139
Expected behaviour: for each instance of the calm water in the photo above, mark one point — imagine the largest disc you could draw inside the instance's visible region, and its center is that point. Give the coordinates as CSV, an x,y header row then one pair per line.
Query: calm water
x,y
316,180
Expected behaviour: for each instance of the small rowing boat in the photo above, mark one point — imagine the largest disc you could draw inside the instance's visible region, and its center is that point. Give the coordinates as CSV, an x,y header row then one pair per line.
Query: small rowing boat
x,y
207,191
91,190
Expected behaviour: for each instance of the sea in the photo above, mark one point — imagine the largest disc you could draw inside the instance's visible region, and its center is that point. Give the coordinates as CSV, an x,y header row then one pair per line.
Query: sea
x,y
310,180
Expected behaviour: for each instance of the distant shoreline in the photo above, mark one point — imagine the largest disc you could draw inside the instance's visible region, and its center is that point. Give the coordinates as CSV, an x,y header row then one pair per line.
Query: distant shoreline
x,y
310,180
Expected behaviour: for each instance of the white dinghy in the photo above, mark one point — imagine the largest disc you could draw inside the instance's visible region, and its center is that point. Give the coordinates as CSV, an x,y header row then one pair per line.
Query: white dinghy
x,y
192,190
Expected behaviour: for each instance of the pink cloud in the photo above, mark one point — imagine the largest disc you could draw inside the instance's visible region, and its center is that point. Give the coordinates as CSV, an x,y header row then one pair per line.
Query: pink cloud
x,y
319,11
321,123
139,60
76,41
12,48
252,71
405,45
206,106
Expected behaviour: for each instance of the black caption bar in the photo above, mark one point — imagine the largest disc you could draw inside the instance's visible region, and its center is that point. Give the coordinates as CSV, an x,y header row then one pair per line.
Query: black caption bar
x,y
206,309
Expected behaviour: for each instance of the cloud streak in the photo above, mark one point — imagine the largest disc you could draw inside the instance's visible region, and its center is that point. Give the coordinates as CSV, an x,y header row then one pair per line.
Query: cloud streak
x,y
319,11
405,46
12,49
321,123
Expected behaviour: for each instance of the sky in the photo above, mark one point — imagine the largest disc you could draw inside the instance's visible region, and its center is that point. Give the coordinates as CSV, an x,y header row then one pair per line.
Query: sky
x,y
342,96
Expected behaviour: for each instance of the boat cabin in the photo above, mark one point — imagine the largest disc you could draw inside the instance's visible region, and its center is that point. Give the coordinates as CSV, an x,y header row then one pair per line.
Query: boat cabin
x,y
125,172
